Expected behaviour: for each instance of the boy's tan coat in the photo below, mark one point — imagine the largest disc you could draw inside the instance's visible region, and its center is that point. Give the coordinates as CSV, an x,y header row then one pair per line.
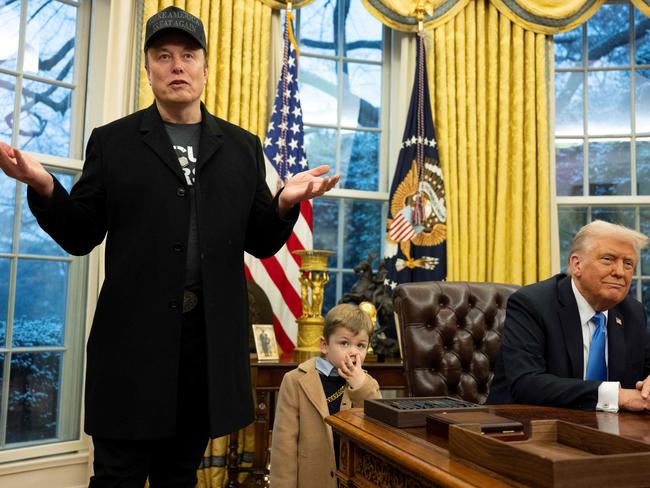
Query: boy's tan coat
x,y
302,452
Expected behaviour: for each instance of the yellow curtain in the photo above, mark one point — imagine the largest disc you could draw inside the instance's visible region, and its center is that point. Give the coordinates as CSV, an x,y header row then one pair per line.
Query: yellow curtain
x,y
541,16
489,78
400,14
238,34
643,6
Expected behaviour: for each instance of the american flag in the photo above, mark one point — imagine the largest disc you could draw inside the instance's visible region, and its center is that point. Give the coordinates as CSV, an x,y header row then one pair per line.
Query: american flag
x,y
284,153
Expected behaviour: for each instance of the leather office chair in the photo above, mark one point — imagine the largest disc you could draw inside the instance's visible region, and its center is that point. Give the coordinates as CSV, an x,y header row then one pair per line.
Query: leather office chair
x,y
450,333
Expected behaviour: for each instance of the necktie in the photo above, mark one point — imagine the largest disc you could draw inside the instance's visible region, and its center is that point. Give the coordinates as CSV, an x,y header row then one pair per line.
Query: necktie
x,y
596,366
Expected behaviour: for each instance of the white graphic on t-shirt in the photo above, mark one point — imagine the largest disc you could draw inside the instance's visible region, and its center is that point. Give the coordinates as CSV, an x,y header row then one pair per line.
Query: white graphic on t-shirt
x,y
187,161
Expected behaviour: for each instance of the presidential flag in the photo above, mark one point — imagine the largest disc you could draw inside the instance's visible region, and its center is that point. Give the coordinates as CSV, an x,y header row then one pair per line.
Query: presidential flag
x,y
285,156
416,229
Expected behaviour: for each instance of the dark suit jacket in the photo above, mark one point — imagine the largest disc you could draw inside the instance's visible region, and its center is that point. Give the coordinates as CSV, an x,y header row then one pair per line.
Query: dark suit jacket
x,y
132,190
540,361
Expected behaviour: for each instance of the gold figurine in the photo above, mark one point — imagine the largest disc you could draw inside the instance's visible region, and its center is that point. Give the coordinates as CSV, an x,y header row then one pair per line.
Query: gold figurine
x,y
314,276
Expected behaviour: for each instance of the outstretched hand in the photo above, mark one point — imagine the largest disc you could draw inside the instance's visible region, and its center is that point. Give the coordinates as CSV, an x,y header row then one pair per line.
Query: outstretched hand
x,y
306,185
23,168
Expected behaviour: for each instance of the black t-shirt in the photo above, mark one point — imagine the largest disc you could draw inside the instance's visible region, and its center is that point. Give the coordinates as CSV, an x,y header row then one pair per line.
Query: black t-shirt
x,y
185,140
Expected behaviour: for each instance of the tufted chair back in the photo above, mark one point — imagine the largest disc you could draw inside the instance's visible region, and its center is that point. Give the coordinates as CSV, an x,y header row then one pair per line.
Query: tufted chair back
x,y
450,333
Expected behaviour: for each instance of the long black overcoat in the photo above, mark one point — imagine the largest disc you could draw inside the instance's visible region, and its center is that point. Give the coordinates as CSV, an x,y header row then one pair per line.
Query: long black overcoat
x,y
133,192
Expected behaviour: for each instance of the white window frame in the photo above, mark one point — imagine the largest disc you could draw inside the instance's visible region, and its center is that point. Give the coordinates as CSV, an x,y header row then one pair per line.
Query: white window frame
x,y
341,196
86,110
590,201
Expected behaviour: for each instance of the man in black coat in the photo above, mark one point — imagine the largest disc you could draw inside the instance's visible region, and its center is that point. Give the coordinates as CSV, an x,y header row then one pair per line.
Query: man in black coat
x,y
550,351
179,195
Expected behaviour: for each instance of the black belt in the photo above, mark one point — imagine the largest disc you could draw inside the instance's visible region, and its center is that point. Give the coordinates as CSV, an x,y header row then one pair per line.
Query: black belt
x,y
190,300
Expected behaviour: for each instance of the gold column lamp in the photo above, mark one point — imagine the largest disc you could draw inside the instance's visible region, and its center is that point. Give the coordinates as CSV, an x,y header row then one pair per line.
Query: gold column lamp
x,y
313,277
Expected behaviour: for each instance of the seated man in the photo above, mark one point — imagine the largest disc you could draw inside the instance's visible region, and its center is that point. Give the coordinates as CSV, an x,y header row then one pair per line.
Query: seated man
x,y
579,340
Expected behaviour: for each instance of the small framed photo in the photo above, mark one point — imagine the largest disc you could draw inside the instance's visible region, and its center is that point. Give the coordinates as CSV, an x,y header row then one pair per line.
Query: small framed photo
x,y
265,343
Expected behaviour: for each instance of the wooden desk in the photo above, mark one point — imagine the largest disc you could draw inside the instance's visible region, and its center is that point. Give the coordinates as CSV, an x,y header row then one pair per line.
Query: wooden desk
x,y
267,378
374,454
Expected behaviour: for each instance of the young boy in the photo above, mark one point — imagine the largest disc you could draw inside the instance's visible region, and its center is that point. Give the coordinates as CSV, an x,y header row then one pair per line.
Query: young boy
x,y
303,452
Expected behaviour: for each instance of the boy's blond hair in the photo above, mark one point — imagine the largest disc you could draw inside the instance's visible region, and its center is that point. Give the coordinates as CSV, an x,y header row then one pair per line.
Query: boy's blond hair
x,y
349,316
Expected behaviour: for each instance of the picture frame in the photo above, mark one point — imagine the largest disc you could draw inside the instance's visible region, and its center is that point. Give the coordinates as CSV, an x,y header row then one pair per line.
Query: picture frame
x,y
266,345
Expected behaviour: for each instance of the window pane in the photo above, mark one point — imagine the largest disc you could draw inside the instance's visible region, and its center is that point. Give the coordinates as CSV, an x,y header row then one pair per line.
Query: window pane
x,y
5,268
50,40
45,125
569,97
349,280
645,229
608,36
642,38
360,160
41,291
642,94
615,215
318,87
326,225
362,233
320,147
569,222
643,166
569,166
34,383
363,34
609,167
609,102
10,22
7,105
318,25
7,207
33,239
568,48
361,95
330,293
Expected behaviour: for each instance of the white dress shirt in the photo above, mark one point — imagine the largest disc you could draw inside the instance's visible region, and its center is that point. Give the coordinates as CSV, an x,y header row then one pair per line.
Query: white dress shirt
x,y
325,367
608,390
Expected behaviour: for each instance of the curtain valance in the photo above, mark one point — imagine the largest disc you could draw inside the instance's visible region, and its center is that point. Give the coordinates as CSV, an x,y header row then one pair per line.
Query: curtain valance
x,y
540,16
282,4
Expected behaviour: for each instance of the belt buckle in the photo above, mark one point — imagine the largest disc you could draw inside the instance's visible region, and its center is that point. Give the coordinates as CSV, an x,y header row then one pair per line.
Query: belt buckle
x,y
190,301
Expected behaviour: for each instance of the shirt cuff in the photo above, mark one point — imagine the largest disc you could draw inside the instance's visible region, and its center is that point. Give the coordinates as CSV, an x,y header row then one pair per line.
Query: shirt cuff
x,y
608,396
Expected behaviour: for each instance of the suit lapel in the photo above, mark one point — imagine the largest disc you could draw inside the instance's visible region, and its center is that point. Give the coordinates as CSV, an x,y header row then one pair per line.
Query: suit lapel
x,y
155,136
571,327
211,138
313,388
615,345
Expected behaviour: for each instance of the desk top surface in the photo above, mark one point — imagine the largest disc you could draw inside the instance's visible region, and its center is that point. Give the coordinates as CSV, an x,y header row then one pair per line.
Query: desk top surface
x,y
427,455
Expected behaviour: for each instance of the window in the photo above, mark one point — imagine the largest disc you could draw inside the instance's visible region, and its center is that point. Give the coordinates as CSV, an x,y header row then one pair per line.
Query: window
x,y
342,49
42,289
602,127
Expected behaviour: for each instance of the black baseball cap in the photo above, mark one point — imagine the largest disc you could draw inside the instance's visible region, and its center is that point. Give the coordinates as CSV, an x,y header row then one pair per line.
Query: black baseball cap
x,y
174,18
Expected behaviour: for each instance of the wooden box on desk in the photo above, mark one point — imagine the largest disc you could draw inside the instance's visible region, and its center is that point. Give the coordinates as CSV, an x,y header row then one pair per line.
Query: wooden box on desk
x,y
557,454
491,424
412,411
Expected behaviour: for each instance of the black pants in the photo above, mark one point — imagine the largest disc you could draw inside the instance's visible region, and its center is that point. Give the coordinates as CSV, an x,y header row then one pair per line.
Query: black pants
x,y
169,462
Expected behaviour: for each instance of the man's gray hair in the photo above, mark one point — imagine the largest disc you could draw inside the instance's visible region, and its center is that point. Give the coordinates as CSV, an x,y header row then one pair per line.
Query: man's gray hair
x,y
599,228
